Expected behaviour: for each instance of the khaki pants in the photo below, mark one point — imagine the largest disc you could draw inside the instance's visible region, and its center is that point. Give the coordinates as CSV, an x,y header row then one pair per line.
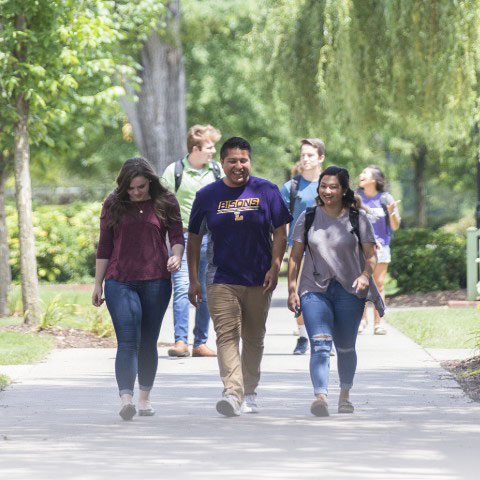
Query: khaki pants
x,y
238,312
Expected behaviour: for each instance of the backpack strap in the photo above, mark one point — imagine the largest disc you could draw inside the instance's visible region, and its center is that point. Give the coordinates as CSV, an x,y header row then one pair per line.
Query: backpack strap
x,y
384,204
353,215
309,218
178,174
217,173
293,192
216,169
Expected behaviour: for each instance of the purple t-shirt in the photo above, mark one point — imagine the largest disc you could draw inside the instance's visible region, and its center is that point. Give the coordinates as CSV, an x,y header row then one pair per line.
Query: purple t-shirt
x,y
239,222
376,215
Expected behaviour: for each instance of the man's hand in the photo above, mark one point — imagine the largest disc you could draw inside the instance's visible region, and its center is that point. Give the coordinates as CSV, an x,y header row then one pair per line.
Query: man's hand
x,y
361,283
270,282
195,293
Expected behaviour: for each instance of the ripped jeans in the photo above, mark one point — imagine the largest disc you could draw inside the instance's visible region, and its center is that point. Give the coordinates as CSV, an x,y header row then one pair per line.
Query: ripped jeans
x,y
332,315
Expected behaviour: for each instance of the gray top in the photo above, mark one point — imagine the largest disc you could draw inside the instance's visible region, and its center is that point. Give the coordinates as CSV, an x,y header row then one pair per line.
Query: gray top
x,y
334,253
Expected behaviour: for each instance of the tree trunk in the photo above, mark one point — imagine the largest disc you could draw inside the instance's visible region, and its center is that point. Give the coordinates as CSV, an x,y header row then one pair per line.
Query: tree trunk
x,y
420,161
23,191
158,119
5,271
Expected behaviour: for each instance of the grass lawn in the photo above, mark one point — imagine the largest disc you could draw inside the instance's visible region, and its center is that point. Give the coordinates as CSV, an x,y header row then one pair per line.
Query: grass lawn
x,y
22,348
69,303
439,327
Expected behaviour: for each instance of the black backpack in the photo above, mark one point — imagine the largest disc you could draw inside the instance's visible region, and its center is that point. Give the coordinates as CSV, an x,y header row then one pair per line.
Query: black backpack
x,y
353,215
179,172
293,192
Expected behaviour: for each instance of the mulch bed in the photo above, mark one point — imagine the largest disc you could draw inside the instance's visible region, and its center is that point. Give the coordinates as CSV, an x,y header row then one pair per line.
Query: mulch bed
x,y
427,299
68,337
463,371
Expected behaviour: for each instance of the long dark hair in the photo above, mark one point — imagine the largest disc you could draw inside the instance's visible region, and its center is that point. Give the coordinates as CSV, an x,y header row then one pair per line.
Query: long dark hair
x,y
119,201
379,177
349,198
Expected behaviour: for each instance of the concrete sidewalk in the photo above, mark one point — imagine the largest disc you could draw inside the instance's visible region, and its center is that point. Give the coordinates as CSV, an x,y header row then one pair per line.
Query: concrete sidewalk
x,y
60,419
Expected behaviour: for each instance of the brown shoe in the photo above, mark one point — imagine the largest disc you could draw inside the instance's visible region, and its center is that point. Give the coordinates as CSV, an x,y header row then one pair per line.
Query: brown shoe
x,y
319,408
180,350
203,351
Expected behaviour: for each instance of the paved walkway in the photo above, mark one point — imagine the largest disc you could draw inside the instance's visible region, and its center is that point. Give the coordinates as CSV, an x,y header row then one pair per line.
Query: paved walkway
x,y
412,421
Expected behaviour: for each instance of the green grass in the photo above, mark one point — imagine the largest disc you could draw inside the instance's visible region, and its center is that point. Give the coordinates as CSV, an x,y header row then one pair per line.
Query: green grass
x,y
23,348
440,327
63,307
4,381
69,300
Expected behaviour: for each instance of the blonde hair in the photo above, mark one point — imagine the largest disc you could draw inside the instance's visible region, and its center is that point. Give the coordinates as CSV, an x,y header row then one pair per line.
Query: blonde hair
x,y
198,134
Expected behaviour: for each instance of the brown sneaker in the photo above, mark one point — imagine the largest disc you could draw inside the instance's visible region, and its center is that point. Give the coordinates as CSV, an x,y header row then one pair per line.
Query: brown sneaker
x,y
180,350
203,351
319,408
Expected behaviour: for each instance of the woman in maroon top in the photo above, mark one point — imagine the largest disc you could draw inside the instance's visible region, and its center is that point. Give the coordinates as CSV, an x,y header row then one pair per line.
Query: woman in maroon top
x,y
133,259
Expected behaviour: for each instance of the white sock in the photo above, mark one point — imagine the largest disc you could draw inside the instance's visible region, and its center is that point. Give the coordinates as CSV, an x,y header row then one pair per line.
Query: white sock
x,y
302,331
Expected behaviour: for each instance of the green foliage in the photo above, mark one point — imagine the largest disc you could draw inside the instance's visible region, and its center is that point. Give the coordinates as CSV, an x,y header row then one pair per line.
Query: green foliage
x,y
99,322
376,80
14,301
425,260
72,308
224,71
55,312
4,381
65,241
70,61
22,348
438,327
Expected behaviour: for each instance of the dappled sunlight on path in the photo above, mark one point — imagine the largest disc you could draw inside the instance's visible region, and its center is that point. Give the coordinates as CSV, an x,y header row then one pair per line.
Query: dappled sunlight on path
x,y
411,421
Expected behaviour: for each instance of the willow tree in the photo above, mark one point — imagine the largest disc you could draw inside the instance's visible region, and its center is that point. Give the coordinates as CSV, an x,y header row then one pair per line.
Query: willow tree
x,y
223,70
390,73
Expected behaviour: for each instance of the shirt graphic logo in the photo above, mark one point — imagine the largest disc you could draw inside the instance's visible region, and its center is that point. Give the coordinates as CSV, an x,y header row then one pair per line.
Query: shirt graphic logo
x,y
238,206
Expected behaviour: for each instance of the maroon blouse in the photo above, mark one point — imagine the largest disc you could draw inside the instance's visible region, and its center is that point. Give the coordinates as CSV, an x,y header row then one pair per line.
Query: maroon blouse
x,y
136,247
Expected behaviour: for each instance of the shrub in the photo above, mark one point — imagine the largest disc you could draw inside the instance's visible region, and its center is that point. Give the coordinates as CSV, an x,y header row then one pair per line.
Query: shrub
x,y
65,241
424,260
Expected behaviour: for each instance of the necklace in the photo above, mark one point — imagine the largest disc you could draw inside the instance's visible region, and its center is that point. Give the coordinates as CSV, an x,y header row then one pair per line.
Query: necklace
x,y
140,210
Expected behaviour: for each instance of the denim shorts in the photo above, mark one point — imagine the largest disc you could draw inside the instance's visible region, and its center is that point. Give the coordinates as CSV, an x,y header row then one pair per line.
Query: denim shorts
x,y
383,254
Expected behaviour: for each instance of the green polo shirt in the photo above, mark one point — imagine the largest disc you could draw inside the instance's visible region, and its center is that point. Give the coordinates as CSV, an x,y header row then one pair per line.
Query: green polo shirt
x,y
192,182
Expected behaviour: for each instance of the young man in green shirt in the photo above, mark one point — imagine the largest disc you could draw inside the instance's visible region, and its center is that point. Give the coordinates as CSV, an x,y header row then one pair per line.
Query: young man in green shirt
x,y
185,178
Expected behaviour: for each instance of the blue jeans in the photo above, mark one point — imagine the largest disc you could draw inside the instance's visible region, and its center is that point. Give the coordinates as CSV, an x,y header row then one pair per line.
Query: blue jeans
x,y
332,315
181,304
137,309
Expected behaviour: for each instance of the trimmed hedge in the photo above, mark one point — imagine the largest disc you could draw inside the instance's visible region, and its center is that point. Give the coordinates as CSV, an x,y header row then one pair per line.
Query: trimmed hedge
x,y
424,260
65,240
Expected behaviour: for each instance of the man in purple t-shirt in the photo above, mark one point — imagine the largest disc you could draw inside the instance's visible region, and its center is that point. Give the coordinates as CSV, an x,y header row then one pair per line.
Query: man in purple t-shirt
x,y
245,218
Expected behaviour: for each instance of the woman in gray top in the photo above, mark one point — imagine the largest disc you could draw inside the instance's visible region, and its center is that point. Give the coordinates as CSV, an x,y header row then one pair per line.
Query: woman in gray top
x,y
335,282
